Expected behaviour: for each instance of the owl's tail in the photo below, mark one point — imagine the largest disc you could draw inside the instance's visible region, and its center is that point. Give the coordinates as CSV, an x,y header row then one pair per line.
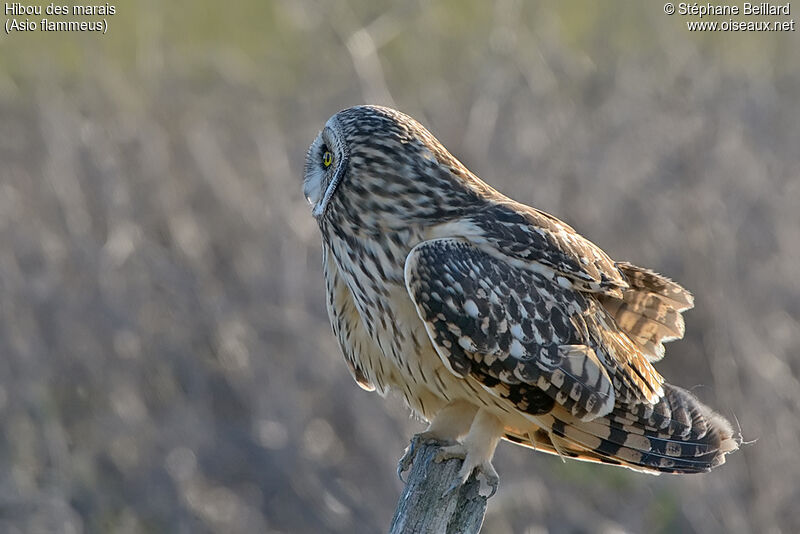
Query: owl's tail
x,y
678,435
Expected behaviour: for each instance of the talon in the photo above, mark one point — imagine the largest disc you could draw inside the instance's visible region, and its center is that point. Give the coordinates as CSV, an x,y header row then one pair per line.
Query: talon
x,y
484,472
492,480
408,458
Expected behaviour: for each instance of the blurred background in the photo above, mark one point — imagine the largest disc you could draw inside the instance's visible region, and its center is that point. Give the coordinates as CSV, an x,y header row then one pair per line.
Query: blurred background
x,y
166,362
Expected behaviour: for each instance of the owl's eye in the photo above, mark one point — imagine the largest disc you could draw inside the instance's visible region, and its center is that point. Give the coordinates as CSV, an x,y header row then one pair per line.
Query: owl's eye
x,y
327,158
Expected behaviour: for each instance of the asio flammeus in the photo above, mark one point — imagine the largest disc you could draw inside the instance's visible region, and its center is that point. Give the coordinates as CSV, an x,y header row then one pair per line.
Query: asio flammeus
x,y
491,318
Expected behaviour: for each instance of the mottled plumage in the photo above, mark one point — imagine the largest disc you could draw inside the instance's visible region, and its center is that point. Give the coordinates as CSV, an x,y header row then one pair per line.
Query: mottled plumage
x,y
491,318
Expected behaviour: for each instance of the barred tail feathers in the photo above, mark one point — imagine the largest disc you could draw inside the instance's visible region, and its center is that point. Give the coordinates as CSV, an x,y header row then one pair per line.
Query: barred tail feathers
x,y
678,435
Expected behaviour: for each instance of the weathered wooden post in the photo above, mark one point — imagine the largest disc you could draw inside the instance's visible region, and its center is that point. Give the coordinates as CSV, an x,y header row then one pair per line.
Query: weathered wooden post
x,y
426,505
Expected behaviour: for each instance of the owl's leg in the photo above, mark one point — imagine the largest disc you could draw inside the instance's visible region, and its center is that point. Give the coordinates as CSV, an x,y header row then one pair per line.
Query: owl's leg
x,y
477,450
452,422
449,424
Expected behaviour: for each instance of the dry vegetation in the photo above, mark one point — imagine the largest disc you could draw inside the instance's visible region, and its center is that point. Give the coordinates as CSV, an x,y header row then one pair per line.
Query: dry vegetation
x,y
167,364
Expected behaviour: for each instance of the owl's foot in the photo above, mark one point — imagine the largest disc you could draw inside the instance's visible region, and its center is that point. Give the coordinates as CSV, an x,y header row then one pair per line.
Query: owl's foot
x,y
473,462
477,450
449,424
423,438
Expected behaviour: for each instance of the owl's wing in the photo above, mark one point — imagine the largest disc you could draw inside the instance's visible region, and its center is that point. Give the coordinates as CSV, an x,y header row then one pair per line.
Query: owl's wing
x,y
649,310
645,305
540,241
520,332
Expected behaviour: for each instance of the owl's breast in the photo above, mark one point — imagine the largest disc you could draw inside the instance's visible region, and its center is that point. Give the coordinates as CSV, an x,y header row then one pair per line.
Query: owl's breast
x,y
381,334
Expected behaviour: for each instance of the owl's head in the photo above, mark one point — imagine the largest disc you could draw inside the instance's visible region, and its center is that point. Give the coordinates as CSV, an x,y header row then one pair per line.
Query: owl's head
x,y
378,161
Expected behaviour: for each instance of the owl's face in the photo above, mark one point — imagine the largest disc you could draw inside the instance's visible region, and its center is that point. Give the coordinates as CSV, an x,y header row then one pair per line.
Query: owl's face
x,y
326,164
382,169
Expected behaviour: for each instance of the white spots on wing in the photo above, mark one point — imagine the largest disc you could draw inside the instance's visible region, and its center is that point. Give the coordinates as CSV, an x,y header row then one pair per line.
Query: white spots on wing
x,y
550,360
467,344
546,295
543,383
502,327
516,349
471,308
505,376
494,300
542,269
451,304
516,331
564,282
557,378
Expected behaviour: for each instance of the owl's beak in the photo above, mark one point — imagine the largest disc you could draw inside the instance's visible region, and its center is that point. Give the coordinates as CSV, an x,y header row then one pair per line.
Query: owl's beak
x,y
321,207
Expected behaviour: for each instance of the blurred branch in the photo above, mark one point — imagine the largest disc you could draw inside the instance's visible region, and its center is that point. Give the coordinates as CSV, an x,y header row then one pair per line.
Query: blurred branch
x,y
363,44
426,505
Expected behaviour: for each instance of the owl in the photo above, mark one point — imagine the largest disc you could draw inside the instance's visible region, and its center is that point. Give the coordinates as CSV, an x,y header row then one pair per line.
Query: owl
x,y
492,319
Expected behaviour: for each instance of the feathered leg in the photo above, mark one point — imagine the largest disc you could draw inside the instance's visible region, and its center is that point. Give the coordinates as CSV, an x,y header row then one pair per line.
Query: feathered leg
x,y
450,423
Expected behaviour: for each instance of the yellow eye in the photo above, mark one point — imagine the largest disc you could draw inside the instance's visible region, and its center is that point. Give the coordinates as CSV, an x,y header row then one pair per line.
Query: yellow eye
x,y
327,158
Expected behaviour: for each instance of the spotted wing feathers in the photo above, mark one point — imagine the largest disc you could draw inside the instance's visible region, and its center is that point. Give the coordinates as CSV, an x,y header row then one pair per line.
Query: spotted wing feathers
x,y
518,332
558,357
540,240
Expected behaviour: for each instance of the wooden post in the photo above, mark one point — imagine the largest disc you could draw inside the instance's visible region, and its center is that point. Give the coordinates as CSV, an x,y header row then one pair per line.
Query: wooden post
x,y
425,506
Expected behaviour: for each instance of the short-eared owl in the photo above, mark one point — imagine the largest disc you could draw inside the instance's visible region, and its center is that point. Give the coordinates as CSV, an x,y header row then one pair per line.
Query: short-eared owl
x,y
491,318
